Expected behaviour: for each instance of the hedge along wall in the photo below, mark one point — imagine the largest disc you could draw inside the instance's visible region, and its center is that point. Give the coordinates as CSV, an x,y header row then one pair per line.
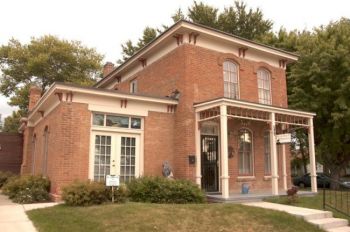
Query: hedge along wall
x,y
11,148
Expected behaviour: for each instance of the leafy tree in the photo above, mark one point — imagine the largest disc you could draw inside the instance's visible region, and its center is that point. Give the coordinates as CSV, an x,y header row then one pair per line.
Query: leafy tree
x,y
12,123
321,83
178,15
43,61
247,23
203,14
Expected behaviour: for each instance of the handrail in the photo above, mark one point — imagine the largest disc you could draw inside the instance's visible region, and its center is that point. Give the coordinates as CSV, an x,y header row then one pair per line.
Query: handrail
x,y
337,196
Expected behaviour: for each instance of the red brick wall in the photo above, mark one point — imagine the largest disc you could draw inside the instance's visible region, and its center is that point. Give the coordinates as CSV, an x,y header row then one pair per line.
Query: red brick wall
x,y
68,150
11,147
197,73
158,142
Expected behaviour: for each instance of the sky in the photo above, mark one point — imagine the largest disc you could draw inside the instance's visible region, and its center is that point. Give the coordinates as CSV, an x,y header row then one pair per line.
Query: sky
x,y
106,24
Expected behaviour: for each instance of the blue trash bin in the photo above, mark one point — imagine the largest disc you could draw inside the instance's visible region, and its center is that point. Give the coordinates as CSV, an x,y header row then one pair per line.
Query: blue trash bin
x,y
245,188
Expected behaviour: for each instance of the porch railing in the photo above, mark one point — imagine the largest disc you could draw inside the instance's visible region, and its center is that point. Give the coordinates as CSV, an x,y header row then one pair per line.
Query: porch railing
x,y
337,196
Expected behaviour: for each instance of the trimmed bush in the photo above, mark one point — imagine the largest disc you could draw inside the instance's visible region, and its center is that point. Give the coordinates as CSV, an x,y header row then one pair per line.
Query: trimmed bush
x,y
163,190
85,193
4,176
27,189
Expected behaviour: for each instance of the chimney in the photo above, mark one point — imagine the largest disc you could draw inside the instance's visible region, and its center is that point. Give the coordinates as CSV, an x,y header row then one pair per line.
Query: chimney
x,y
34,96
107,68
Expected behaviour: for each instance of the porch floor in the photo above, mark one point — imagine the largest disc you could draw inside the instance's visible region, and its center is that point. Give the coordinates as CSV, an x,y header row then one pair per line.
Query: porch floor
x,y
249,197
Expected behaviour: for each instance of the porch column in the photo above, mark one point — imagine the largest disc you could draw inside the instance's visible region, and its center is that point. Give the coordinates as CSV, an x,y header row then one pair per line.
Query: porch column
x,y
284,167
274,168
197,134
224,152
312,156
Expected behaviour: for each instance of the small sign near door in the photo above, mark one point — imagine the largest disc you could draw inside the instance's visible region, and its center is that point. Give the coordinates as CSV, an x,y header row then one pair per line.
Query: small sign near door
x,y
284,138
112,180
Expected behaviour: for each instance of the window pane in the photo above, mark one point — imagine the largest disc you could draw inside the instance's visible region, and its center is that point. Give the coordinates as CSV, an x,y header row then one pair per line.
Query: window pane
x,y
245,152
98,119
230,80
136,123
117,121
102,158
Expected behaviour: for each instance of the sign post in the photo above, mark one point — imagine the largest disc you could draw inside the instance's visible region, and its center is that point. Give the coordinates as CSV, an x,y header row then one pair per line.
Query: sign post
x,y
112,181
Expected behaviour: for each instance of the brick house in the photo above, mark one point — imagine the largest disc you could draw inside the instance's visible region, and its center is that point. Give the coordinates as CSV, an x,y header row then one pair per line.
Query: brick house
x,y
209,103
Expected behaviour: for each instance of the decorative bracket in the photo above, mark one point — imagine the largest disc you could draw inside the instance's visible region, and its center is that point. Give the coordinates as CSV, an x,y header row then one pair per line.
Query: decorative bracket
x,y
171,108
241,52
123,103
194,35
282,63
179,38
59,95
143,61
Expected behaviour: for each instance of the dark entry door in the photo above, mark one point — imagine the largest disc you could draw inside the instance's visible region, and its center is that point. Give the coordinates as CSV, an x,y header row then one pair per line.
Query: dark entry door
x,y
209,158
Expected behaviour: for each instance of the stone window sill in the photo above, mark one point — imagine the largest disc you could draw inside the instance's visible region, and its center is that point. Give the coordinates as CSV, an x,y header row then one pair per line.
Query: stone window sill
x,y
245,178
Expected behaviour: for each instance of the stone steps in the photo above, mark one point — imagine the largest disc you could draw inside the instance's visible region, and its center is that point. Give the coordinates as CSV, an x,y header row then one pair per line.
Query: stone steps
x,y
322,219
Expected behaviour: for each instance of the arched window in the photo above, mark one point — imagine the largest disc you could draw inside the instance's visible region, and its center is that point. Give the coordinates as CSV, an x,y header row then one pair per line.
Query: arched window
x,y
267,153
264,86
33,153
45,149
231,89
245,152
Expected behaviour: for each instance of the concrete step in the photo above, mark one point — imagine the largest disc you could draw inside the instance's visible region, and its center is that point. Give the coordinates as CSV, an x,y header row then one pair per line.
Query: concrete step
x,y
340,229
329,223
314,216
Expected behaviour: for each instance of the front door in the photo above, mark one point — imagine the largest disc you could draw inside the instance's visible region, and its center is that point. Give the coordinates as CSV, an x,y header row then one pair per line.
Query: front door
x,y
115,154
209,158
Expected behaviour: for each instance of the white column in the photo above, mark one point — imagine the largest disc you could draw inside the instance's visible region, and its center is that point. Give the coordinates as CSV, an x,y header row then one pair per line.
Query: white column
x,y
274,168
224,152
197,134
284,167
312,156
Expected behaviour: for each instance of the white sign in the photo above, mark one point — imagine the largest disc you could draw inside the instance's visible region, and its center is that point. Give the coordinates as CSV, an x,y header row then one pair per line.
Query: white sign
x,y
112,180
284,138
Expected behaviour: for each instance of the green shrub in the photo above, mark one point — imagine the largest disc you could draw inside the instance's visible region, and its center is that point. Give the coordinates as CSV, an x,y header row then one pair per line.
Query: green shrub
x,y
163,190
84,193
4,176
27,189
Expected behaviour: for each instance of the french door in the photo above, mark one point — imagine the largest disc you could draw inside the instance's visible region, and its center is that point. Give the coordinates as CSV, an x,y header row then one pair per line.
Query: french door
x,y
115,154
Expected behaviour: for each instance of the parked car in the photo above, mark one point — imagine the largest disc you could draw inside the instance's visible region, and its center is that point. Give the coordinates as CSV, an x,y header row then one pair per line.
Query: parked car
x,y
305,180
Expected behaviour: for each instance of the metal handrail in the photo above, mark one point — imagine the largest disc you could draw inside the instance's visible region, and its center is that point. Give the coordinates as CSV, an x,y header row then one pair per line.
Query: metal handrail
x,y
337,197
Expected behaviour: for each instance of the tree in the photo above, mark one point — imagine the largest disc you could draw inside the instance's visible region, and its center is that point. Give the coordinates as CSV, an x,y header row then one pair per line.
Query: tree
x,y
43,61
247,23
12,123
320,83
236,19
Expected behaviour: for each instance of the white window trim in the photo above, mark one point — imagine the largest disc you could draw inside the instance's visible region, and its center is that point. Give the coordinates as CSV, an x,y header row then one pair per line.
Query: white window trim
x,y
252,174
133,86
238,80
257,78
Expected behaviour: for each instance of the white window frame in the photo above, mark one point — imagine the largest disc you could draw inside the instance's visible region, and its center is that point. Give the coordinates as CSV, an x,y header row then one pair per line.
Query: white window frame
x,y
230,83
261,73
133,86
251,173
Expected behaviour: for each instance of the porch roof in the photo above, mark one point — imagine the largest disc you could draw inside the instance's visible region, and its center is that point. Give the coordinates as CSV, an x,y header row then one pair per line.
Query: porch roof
x,y
251,111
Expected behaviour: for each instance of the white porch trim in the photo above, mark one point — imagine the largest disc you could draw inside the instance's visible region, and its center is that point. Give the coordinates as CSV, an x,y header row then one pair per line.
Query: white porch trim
x,y
224,152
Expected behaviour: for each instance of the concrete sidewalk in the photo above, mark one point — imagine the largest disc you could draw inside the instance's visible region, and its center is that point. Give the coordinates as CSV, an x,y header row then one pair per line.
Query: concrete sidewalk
x,y
13,217
320,218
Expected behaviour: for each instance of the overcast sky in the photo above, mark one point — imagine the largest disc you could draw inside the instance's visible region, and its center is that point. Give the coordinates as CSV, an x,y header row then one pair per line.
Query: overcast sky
x,y
105,24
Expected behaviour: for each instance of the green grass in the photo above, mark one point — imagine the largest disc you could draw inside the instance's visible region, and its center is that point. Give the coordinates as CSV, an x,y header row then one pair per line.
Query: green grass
x,y
316,202
155,217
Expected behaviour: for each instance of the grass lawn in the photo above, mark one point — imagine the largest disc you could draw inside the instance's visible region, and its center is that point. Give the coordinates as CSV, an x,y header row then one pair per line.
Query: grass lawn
x,y
316,202
155,217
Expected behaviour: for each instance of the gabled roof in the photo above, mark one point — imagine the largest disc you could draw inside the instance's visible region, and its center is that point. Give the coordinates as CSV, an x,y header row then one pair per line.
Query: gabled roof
x,y
183,24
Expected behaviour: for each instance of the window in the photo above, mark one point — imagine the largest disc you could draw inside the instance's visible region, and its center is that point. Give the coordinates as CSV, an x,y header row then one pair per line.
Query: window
x,y
133,86
99,119
245,152
45,149
231,89
264,86
127,159
102,157
267,153
117,121
33,153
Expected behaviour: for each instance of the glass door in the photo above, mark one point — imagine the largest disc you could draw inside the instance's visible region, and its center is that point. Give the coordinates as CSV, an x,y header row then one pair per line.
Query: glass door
x,y
116,154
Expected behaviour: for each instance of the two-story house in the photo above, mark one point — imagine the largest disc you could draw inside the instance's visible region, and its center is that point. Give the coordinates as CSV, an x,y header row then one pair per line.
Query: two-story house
x,y
209,103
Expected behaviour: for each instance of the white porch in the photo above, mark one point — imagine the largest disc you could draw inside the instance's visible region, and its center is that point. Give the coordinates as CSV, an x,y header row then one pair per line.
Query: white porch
x,y
223,109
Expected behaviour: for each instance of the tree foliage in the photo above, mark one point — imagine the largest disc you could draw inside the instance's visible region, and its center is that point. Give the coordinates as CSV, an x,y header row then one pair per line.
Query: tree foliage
x,y
236,19
320,83
43,61
12,122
